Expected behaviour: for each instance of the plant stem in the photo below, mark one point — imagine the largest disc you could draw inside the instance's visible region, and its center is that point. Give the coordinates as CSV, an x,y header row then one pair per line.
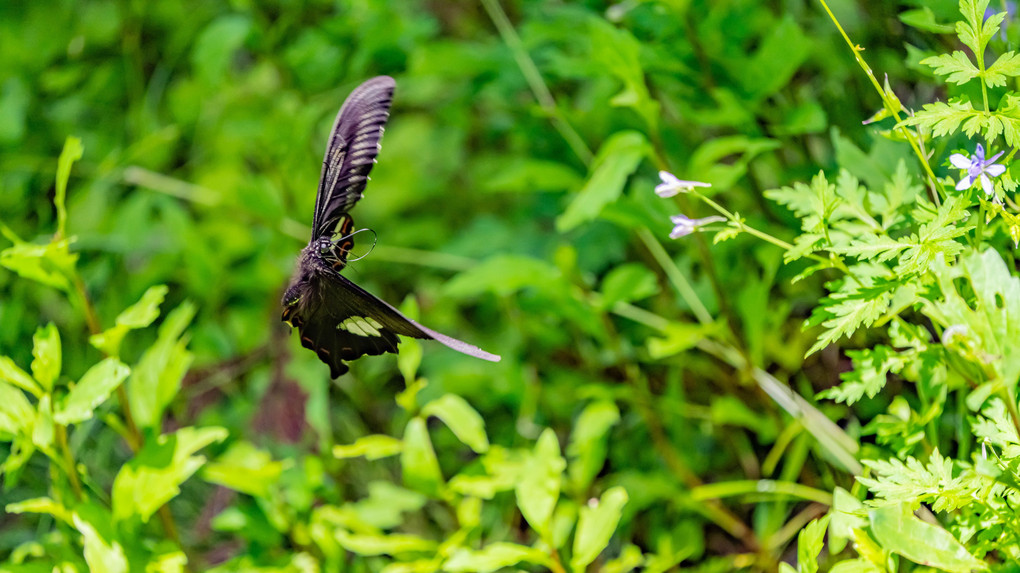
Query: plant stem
x,y
891,104
72,467
675,276
535,80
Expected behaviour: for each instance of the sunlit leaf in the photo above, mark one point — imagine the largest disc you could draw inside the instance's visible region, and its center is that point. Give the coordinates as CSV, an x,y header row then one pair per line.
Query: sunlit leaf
x,y
595,526
461,418
898,530
46,350
418,459
93,389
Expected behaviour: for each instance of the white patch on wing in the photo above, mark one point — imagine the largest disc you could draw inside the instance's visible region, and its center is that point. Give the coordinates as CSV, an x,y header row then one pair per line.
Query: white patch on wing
x,y
361,326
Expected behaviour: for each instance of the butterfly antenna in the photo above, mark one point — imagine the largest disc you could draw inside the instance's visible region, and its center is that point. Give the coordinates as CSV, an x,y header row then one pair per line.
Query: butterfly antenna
x,y
375,239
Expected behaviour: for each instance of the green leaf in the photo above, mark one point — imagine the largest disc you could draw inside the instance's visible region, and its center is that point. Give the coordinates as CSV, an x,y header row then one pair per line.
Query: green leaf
x,y
72,152
538,488
617,52
46,350
156,379
1007,65
957,66
495,556
374,544
587,447
43,430
373,447
916,482
630,559
981,297
897,529
810,541
154,475
503,275
385,505
868,376
246,469
139,315
783,49
92,390
104,555
51,264
462,419
418,459
41,505
618,157
596,525
847,514
628,282
942,118
13,373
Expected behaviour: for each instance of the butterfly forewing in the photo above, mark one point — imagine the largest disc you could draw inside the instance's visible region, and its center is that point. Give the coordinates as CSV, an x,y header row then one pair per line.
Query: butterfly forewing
x,y
336,318
351,151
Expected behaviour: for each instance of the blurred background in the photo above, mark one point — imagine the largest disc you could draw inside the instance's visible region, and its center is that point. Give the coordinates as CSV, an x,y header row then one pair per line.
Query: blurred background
x,y
204,125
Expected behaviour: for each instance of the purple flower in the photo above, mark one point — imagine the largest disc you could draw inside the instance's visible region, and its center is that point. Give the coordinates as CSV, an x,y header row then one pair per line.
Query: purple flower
x,y
671,185
977,167
684,225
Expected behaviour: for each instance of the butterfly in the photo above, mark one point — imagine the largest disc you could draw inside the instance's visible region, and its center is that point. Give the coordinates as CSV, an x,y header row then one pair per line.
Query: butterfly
x,y
336,318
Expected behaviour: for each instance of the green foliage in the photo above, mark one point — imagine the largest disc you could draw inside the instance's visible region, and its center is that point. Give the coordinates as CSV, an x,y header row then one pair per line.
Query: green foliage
x,y
647,415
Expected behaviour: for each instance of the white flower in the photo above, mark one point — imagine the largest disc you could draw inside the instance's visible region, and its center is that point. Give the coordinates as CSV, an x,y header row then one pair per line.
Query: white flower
x,y
684,225
671,185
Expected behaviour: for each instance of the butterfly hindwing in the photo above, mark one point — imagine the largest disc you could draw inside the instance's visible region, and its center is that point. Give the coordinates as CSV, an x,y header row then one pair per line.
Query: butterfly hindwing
x,y
336,318
351,151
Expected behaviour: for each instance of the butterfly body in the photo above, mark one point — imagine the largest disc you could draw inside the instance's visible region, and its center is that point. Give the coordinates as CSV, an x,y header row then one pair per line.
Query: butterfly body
x,y
336,318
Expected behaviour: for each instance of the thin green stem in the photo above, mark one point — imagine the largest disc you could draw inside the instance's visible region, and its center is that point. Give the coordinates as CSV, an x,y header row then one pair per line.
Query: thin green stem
x,y
979,232
72,467
831,261
675,276
535,80
893,105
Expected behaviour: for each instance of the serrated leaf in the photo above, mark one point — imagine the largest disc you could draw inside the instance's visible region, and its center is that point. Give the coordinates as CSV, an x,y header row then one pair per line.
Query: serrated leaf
x,y
493,557
897,529
462,419
539,486
596,525
46,350
1007,65
373,447
418,459
957,66
810,541
871,367
154,475
618,157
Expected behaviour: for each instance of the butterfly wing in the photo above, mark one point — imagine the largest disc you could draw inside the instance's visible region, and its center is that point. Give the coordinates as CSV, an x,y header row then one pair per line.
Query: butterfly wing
x,y
341,321
351,151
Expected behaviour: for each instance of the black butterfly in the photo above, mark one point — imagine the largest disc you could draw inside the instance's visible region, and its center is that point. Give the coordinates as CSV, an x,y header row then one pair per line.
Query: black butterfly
x,y
336,318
